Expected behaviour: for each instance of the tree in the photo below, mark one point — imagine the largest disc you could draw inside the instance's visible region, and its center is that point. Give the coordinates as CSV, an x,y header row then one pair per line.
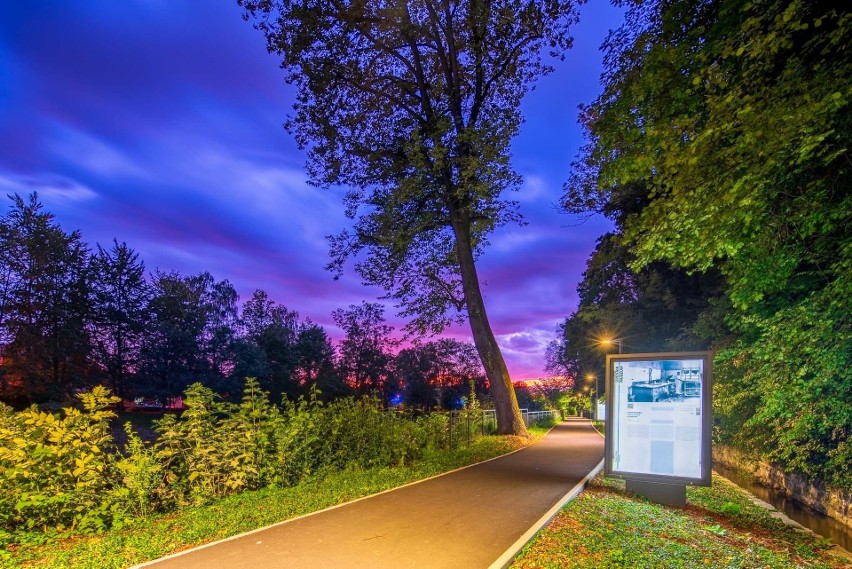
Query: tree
x,y
552,389
439,373
734,119
656,308
413,105
45,304
416,368
274,330
173,355
120,297
366,353
456,365
219,304
315,362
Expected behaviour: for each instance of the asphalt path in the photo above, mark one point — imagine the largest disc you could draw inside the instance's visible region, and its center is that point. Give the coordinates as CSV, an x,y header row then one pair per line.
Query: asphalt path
x,y
478,516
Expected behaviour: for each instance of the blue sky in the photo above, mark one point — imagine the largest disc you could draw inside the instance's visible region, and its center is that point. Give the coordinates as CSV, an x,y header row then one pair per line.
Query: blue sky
x,y
158,123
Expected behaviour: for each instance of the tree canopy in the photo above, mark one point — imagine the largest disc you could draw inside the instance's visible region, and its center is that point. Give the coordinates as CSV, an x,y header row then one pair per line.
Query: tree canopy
x,y
411,106
721,142
71,319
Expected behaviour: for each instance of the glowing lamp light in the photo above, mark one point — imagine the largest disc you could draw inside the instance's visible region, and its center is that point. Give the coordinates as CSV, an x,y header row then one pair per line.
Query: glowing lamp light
x,y
612,341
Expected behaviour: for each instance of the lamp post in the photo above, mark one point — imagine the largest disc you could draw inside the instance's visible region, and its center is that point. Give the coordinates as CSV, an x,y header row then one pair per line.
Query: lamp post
x,y
591,392
611,341
592,413
593,377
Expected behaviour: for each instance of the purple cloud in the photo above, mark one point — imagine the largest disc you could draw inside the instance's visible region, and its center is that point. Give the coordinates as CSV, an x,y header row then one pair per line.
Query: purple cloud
x,y
160,124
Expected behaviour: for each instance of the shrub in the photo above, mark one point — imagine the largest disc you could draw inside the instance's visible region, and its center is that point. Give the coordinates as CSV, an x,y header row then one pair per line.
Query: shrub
x,y
251,455
432,431
215,449
57,470
140,491
64,472
343,434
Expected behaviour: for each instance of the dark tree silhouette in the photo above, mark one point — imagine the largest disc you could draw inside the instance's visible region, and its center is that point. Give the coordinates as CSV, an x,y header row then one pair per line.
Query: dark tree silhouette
x,y
46,283
120,297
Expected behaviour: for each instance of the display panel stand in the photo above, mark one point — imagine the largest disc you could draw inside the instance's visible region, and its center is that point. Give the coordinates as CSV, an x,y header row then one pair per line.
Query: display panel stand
x,y
668,494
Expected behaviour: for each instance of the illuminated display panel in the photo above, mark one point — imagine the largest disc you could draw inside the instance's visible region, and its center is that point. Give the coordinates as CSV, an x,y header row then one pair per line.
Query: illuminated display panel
x,y
659,417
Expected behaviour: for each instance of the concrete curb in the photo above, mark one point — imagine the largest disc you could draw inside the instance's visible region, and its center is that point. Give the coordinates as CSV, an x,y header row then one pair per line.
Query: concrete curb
x,y
509,555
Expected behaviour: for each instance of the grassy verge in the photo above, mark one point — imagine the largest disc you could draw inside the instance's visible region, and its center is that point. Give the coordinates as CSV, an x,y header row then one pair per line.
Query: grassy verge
x,y
154,537
720,528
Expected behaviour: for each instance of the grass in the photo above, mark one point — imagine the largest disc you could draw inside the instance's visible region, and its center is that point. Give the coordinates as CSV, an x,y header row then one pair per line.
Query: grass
x,y
154,537
607,527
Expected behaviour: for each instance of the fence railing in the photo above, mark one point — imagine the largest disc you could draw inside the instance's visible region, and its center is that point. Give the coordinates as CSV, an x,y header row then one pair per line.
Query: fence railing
x,y
535,417
466,425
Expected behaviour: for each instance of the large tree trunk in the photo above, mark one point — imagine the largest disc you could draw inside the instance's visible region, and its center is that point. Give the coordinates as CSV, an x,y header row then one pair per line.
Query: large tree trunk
x,y
509,419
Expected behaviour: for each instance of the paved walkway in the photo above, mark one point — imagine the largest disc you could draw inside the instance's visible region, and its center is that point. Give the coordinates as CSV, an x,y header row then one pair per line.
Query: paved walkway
x,y
474,517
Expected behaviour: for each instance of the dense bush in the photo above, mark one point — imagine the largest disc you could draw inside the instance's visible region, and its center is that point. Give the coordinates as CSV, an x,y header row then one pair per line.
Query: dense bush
x,y
64,472
57,471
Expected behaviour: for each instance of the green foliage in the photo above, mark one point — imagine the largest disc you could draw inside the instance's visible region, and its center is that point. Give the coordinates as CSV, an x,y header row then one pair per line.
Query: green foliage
x,y
140,477
653,309
414,111
730,508
437,374
607,527
65,474
120,298
433,431
365,352
213,450
721,144
252,459
573,403
56,470
44,305
237,513
424,151
71,318
786,394
343,434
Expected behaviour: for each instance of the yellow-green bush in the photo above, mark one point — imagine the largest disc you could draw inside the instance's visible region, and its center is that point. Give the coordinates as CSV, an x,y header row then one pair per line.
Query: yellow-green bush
x,y
64,473
341,434
56,470
215,449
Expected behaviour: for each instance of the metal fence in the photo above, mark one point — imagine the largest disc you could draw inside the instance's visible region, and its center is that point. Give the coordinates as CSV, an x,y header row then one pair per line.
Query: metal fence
x,y
535,417
465,425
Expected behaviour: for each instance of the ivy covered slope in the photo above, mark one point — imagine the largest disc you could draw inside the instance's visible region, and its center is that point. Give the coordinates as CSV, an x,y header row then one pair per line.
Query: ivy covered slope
x,y
721,144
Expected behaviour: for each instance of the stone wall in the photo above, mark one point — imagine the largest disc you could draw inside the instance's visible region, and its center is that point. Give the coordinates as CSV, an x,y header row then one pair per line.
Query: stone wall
x,y
834,503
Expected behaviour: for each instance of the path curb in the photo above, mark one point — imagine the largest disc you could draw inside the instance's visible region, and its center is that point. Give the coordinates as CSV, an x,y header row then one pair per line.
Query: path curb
x,y
509,555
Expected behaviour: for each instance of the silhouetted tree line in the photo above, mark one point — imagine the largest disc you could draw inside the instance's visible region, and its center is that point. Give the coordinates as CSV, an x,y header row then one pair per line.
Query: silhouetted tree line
x,y
73,317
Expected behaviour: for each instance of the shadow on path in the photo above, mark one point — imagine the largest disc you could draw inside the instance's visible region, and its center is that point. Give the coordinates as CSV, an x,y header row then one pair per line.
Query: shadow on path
x,y
468,518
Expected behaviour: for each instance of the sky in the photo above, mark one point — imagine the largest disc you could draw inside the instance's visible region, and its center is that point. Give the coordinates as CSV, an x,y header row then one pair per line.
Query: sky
x,y
159,123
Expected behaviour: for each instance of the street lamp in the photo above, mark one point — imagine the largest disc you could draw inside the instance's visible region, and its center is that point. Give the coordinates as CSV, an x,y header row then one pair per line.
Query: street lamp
x,y
593,377
611,341
591,393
